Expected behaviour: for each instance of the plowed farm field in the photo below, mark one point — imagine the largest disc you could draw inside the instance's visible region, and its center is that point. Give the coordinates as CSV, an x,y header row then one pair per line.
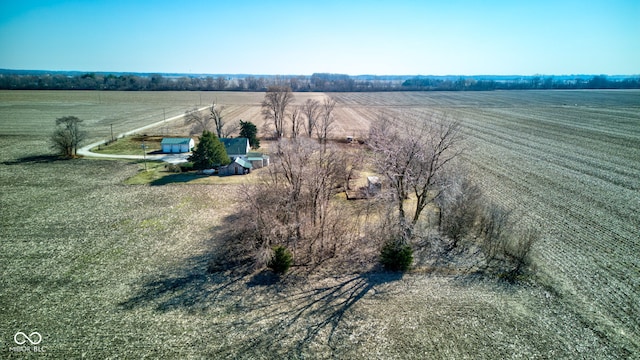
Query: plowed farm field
x,y
102,269
566,161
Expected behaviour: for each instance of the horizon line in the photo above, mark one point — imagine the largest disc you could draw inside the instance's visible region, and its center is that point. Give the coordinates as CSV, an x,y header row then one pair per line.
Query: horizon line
x,y
308,75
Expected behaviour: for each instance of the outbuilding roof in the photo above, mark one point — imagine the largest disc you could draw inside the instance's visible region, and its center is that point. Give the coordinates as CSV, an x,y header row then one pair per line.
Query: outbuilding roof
x,y
175,141
244,164
256,156
373,179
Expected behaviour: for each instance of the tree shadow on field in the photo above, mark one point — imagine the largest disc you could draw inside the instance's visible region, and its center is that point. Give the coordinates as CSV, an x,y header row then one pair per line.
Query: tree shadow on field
x,y
277,316
303,319
36,159
189,287
176,178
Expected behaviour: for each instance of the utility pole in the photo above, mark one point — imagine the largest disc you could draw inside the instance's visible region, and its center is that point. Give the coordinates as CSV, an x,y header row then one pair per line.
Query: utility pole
x,y
144,154
112,133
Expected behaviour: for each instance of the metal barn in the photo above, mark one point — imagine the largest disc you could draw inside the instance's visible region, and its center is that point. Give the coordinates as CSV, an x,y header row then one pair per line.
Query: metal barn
x,y
177,145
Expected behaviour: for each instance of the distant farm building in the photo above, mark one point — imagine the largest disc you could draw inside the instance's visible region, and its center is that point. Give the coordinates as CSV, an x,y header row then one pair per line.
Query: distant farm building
x,y
237,167
177,145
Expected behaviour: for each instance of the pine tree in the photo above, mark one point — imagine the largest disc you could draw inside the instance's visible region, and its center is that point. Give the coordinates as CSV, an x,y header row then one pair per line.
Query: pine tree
x,y
250,131
209,153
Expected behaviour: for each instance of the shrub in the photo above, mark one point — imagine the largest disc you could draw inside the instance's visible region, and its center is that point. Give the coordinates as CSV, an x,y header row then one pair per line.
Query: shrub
x,y
186,167
507,251
281,260
517,253
395,256
459,206
174,168
495,228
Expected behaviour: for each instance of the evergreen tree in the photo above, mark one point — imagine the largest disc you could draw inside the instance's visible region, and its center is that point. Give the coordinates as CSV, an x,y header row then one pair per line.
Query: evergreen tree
x,y
209,153
250,131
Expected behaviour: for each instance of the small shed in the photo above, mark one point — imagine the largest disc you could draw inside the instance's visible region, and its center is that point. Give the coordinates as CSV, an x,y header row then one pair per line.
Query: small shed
x,y
237,167
258,160
177,145
373,185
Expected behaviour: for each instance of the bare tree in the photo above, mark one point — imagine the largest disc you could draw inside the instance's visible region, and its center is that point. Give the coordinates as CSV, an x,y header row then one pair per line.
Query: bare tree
x,y
230,128
67,137
326,119
310,109
253,83
274,107
215,114
289,169
242,84
296,119
414,159
221,83
198,121
380,129
326,173
352,164
439,147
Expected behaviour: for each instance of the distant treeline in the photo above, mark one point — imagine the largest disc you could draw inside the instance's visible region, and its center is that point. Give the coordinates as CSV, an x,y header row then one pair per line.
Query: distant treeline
x,y
42,80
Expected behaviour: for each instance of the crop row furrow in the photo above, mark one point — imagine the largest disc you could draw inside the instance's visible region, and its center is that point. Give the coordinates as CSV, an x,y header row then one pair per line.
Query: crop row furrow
x,y
555,152
571,234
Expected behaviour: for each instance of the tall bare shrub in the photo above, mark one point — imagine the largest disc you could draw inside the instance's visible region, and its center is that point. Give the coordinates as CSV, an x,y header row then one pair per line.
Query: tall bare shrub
x,y
294,205
507,250
519,252
459,205
494,227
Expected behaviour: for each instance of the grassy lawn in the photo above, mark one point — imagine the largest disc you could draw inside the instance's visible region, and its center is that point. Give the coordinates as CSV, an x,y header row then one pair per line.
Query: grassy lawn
x,y
157,174
130,145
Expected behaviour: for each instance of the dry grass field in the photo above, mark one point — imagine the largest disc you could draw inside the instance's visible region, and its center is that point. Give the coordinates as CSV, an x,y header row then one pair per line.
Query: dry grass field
x,y
28,113
103,269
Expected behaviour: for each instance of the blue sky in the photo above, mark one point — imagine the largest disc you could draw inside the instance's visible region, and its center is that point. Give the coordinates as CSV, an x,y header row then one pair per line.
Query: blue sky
x,y
302,37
